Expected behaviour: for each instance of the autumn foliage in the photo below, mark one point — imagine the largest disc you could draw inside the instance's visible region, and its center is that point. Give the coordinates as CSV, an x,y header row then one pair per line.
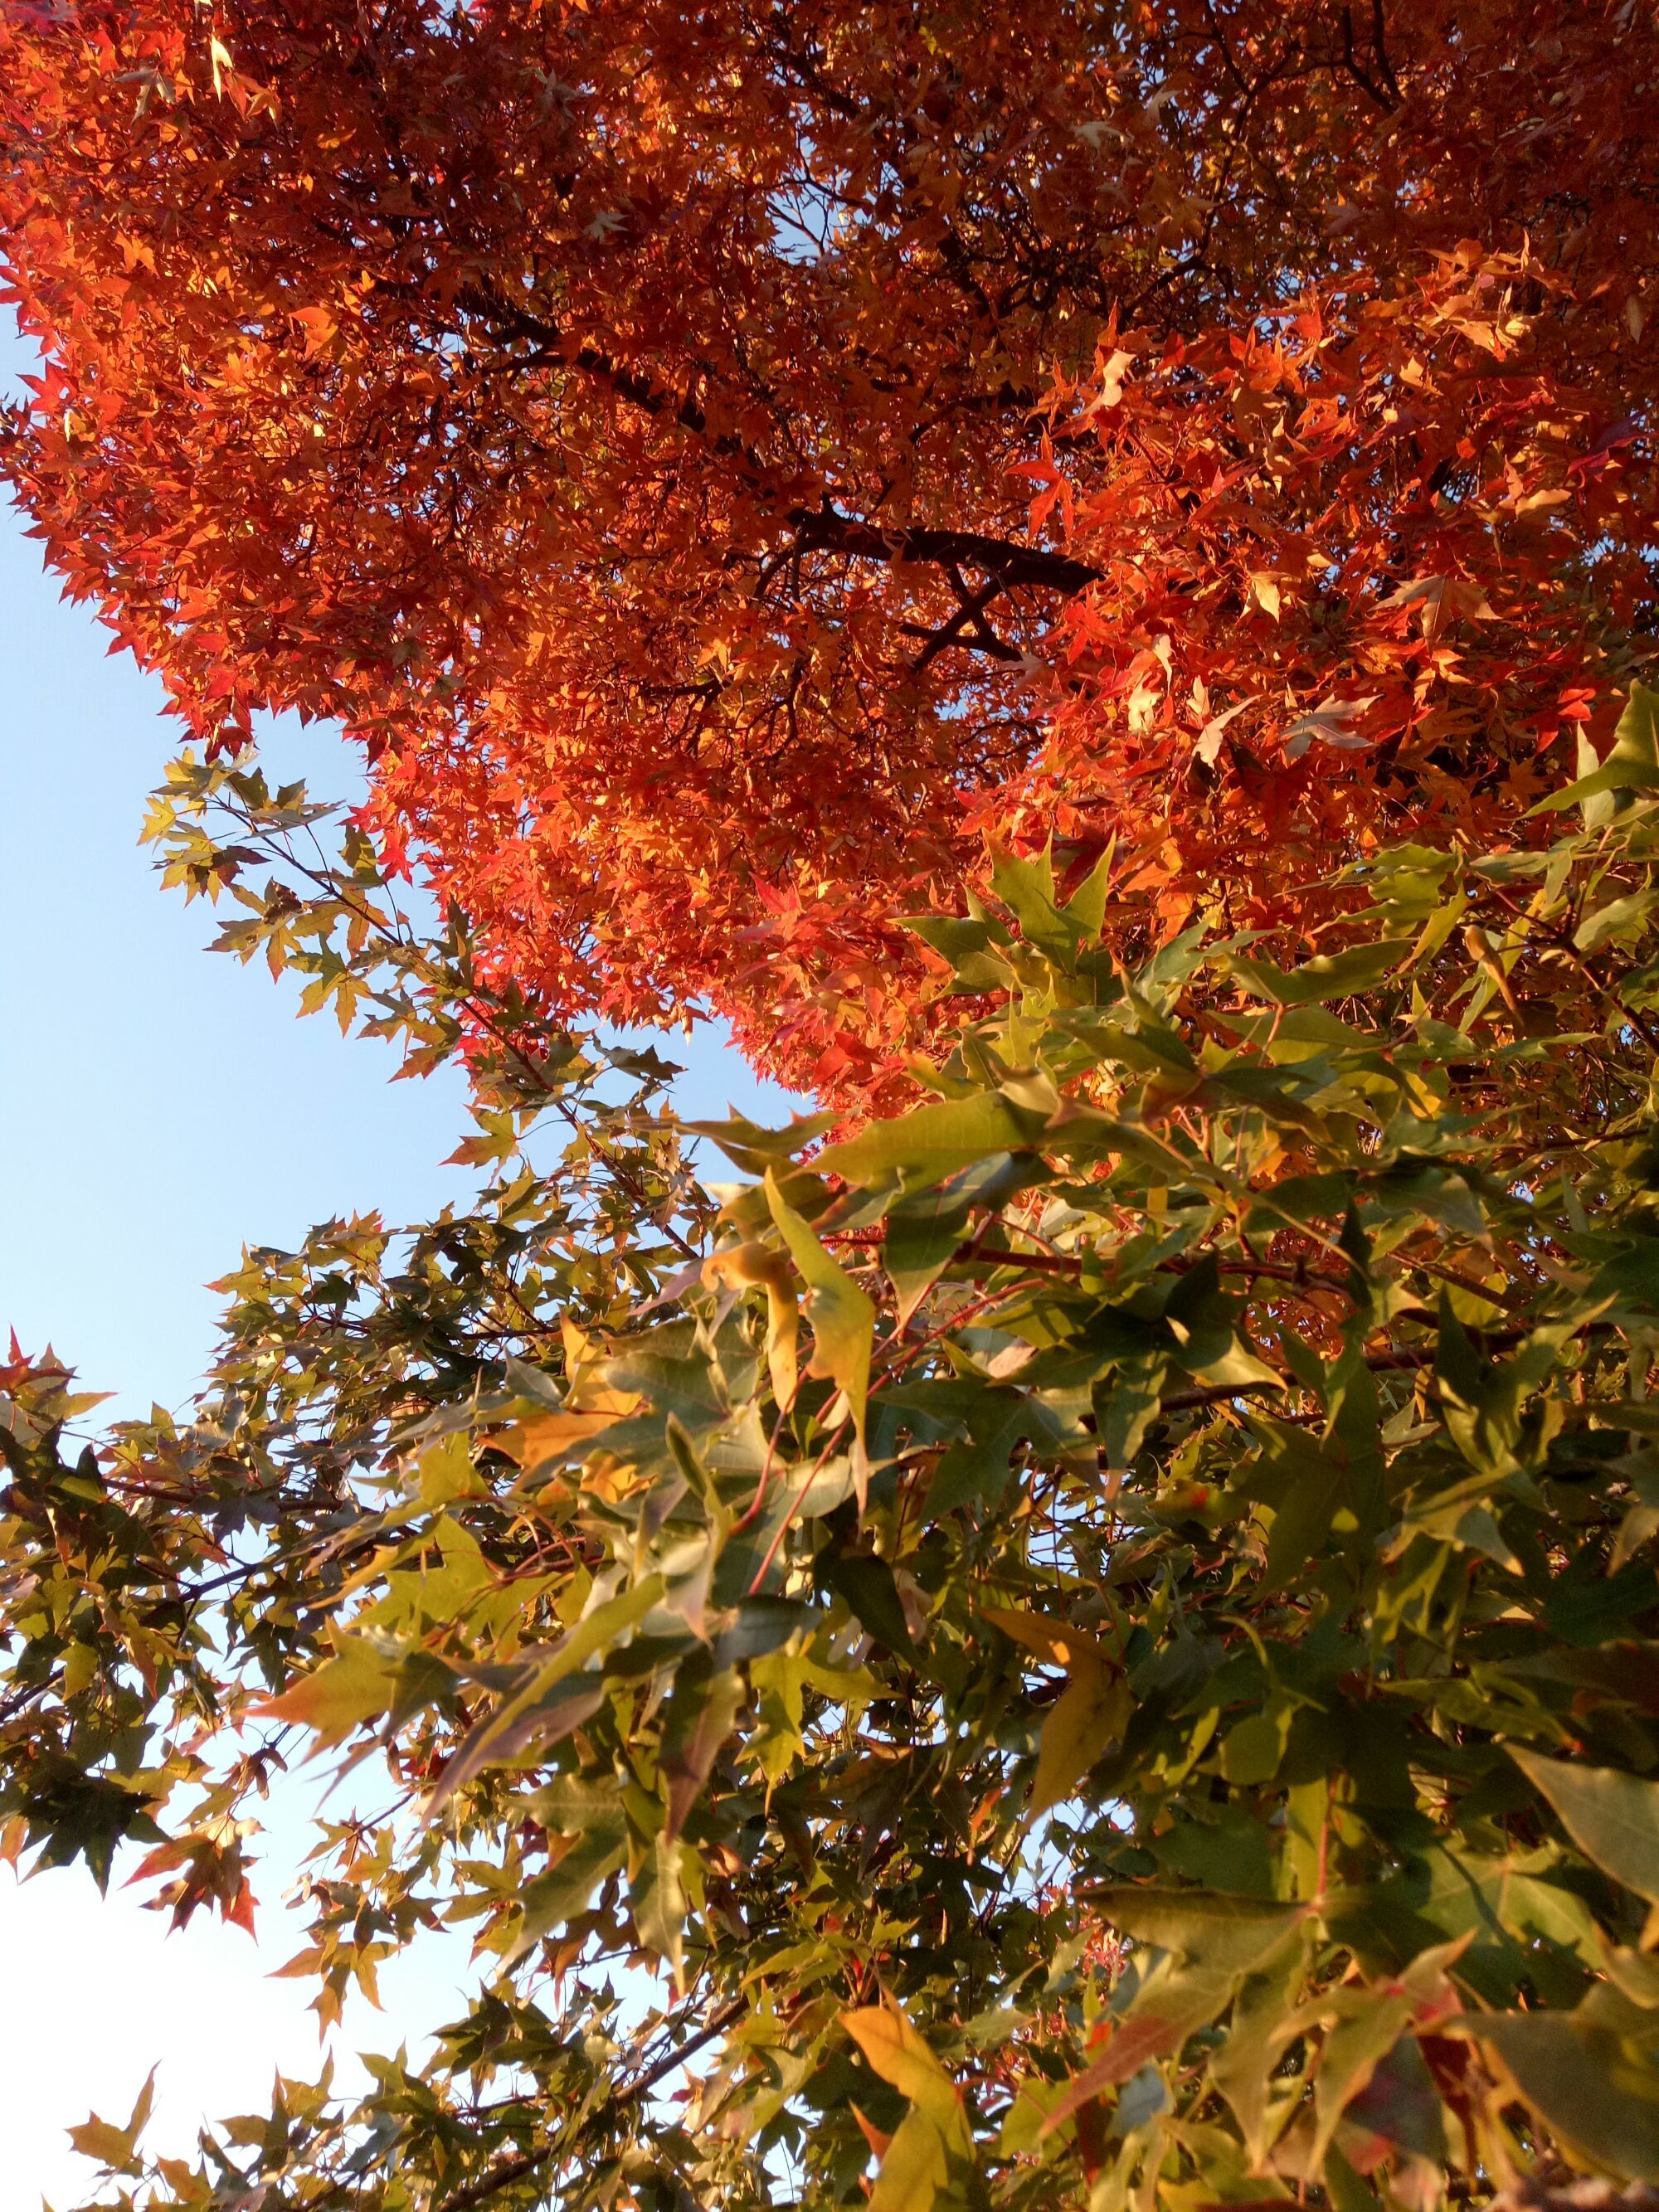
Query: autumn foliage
x,y
736,468
1091,1647
1088,1644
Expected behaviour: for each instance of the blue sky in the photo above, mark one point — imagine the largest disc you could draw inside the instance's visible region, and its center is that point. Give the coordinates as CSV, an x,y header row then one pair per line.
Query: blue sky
x,y
159,1107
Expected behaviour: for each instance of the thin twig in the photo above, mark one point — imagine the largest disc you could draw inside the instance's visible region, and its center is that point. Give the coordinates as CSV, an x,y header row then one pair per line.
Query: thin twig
x,y
509,2170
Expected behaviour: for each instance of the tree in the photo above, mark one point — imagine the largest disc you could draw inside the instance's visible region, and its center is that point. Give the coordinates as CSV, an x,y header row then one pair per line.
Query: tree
x,y
738,468
1089,1638
1096,1636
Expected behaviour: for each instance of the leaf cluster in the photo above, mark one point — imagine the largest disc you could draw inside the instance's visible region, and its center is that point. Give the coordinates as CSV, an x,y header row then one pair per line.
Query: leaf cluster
x,y
1098,1641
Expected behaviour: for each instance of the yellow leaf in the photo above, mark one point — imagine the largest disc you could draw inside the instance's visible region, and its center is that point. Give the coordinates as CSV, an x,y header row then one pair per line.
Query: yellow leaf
x,y
1264,594
585,1392
1056,1641
902,2058
1092,1710
934,2134
103,2140
110,2146
446,1472
741,1265
914,2168
549,1436
353,1687
843,1323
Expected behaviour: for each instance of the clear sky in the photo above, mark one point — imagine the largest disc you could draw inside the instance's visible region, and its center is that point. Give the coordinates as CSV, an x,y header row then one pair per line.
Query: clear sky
x,y
159,1107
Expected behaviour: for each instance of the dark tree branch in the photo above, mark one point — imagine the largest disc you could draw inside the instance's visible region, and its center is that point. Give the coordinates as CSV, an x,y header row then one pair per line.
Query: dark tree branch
x,y
969,617
1380,50
825,529
1367,84
1011,563
938,641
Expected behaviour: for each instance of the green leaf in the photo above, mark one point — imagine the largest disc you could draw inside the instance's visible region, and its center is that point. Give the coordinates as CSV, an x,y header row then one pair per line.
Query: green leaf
x,y
555,1899
975,1472
357,1685
1613,1818
447,1471
1308,1481
1349,2056
1126,1404
1399,2109
1591,2087
1619,917
656,1895
1027,887
1486,1399
1368,2060
1086,907
843,1321
917,1245
968,946
1227,1934
934,1142
1185,1990
1334,976
866,1582
1631,766
758,1151
1253,1748
1263,2021
549,1702
701,1715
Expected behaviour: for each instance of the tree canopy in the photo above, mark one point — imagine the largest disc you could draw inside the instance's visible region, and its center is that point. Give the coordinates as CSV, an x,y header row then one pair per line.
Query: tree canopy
x,y
1083,1632
1152,1700
733,467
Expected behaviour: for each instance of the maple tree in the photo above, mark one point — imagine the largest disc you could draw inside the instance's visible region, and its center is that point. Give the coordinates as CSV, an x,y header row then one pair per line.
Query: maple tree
x,y
1088,1640
735,468
1090,1644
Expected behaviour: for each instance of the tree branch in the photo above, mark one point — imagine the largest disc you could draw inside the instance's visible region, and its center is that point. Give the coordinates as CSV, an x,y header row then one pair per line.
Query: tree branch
x,y
506,2170
825,529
